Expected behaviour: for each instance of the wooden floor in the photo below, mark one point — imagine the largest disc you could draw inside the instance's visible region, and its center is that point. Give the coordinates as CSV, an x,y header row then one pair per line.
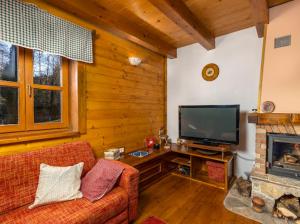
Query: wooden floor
x,y
179,200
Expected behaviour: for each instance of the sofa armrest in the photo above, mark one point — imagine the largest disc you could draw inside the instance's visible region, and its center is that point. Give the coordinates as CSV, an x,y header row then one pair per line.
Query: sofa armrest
x,y
130,181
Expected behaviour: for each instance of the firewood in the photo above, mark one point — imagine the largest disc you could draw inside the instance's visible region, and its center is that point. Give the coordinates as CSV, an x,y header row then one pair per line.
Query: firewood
x,y
287,213
287,206
292,204
290,158
277,214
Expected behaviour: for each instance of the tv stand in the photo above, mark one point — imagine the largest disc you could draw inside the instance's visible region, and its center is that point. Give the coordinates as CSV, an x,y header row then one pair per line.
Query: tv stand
x,y
217,148
197,166
160,163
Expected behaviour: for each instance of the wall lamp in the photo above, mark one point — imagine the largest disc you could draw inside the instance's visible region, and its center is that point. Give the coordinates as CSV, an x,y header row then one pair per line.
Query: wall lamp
x,y
135,61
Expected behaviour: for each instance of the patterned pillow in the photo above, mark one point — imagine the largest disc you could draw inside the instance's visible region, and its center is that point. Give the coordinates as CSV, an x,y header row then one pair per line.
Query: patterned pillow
x,y
58,184
100,179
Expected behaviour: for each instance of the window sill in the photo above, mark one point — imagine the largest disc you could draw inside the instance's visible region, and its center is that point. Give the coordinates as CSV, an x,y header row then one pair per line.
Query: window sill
x,y
29,136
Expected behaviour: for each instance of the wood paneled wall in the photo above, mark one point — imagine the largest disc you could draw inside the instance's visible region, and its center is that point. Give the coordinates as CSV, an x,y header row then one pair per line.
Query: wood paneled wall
x,y
124,104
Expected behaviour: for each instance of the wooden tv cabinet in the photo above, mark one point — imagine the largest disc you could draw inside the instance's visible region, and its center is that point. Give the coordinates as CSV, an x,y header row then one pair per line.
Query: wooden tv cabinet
x,y
188,156
160,163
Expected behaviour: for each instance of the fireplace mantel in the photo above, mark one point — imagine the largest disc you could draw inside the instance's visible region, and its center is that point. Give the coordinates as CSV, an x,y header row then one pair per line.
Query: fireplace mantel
x,y
273,118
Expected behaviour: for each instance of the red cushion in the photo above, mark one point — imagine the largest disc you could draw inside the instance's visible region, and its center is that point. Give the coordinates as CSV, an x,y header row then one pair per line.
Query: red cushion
x,y
100,179
71,212
19,173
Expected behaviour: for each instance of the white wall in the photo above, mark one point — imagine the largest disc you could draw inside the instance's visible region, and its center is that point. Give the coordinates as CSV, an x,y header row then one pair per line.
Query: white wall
x,y
238,56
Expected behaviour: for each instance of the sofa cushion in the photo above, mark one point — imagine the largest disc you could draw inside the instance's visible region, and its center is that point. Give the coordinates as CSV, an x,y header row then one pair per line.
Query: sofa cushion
x,y
100,179
19,174
71,212
58,183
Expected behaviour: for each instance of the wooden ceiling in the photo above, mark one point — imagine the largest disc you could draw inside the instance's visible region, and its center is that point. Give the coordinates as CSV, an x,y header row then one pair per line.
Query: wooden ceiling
x,y
165,25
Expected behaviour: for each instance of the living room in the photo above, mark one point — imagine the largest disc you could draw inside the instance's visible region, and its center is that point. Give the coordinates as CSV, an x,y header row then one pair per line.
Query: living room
x,y
149,111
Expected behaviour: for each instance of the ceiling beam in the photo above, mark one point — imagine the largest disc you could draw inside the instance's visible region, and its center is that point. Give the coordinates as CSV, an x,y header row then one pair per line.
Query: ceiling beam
x,y
179,13
260,13
139,32
273,3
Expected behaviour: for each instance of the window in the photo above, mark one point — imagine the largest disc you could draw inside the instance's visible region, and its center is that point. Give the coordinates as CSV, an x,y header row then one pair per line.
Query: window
x,y
34,90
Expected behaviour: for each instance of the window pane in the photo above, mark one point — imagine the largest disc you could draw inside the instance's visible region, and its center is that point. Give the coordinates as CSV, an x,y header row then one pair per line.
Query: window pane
x,y
47,106
46,68
8,62
8,105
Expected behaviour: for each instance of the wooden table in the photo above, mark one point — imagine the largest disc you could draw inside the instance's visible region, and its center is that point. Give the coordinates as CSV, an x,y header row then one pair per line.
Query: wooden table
x,y
152,167
135,161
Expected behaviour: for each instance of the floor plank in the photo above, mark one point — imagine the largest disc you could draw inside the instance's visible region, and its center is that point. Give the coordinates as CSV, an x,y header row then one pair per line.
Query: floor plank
x,y
178,200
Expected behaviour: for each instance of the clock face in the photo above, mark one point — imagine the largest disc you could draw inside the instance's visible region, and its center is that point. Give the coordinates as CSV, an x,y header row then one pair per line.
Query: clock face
x,y
210,72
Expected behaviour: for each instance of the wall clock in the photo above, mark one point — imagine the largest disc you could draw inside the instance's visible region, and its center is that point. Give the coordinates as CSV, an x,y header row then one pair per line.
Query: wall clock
x,y
210,72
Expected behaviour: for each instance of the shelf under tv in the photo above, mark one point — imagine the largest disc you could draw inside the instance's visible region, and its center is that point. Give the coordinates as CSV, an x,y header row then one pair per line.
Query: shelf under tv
x,y
199,168
216,148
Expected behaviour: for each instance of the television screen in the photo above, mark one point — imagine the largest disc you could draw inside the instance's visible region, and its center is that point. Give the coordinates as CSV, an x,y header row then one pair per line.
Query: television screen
x,y
219,124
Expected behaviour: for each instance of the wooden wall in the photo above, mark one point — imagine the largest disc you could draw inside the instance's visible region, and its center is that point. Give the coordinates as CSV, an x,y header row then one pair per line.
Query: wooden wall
x,y
123,103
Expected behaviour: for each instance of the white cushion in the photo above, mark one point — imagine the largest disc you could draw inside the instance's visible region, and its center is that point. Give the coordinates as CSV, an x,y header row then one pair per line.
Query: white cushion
x,y
58,184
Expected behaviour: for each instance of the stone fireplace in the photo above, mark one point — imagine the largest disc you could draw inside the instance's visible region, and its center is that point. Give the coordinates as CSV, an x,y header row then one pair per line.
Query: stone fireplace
x,y
276,171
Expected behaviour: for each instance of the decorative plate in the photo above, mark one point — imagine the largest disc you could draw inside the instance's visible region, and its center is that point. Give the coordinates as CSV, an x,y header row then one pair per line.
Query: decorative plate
x,y
210,72
268,107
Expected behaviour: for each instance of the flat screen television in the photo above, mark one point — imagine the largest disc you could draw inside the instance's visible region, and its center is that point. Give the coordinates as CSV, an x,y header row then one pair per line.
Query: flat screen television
x,y
210,124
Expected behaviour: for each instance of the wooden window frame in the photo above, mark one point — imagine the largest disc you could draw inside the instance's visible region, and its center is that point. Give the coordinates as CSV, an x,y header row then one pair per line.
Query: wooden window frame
x,y
30,87
73,103
20,84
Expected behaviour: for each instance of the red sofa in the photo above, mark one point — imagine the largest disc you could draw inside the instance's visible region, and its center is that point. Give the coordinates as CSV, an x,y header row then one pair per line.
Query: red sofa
x,y
19,176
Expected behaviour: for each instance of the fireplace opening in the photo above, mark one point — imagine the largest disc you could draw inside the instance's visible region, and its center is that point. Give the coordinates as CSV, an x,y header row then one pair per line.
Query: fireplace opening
x,y
283,155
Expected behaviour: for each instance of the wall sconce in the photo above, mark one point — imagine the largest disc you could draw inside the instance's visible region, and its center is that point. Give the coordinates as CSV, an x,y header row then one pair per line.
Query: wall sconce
x,y
135,61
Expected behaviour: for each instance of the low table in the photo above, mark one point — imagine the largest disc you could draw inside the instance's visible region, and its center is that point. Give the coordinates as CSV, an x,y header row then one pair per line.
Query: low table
x,y
152,167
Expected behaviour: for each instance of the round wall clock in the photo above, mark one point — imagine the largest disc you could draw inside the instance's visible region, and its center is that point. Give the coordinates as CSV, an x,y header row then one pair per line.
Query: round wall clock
x,y
210,72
